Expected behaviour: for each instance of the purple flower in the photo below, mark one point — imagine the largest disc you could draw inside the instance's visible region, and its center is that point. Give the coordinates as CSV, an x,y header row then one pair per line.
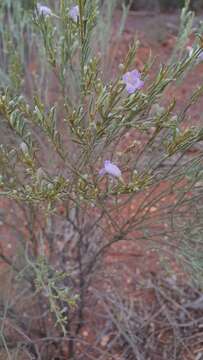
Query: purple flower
x,y
74,13
133,81
111,169
43,10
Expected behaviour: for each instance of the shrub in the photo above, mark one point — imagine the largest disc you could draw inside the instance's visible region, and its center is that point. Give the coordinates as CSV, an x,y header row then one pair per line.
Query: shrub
x,y
69,172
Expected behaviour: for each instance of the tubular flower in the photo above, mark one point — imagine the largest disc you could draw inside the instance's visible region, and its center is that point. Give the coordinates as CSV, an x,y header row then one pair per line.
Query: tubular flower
x,y
111,169
132,81
43,10
74,13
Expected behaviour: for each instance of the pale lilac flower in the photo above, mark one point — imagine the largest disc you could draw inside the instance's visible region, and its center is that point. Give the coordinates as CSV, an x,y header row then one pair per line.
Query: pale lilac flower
x,y
133,81
74,13
43,10
111,169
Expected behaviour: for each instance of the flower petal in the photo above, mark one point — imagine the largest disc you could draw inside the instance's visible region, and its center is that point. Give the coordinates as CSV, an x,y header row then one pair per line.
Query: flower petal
x,y
43,10
126,77
140,84
132,81
74,13
130,88
135,75
102,172
112,169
